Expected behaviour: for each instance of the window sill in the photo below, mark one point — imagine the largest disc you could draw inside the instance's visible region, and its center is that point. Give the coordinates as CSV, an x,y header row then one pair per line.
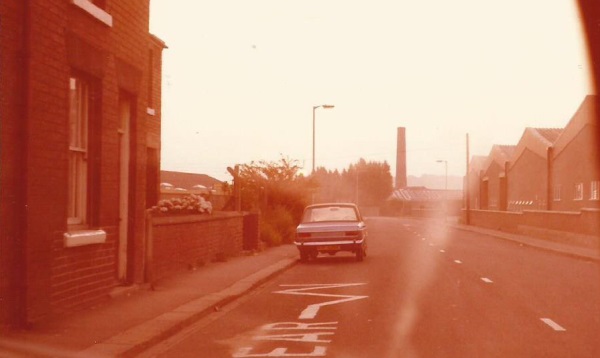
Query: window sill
x,y
84,237
95,11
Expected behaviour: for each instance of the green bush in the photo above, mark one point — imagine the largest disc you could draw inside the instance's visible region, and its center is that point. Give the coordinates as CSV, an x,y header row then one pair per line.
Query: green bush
x,y
282,220
269,235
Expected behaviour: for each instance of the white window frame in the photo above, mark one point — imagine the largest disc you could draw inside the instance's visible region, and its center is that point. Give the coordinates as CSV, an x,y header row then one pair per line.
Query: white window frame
x,y
578,193
95,11
79,109
557,190
595,190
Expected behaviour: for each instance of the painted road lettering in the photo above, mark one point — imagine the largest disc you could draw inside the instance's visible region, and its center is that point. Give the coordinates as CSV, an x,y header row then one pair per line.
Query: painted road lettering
x,y
313,337
300,334
308,337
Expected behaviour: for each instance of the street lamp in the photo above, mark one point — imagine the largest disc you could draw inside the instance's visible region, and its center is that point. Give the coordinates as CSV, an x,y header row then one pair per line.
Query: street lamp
x,y
325,106
446,164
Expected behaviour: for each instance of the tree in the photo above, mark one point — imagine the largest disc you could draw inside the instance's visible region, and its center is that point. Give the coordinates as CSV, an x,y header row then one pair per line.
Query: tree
x,y
279,193
365,183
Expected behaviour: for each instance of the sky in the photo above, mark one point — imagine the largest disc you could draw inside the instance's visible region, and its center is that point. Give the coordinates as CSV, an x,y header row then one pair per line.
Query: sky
x,y
241,77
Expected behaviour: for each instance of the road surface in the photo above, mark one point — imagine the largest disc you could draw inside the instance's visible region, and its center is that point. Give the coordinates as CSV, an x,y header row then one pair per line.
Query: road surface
x,y
424,290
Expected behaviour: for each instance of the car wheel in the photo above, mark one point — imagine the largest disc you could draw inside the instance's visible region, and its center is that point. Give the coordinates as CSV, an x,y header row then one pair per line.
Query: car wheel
x,y
360,254
303,256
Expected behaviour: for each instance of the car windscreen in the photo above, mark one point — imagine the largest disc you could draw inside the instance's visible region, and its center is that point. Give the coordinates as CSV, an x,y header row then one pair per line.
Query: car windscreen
x,y
330,213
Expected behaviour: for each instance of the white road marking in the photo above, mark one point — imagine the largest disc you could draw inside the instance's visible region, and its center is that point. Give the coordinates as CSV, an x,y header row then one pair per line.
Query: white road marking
x,y
458,261
431,244
311,311
313,337
442,251
486,280
555,326
299,326
280,352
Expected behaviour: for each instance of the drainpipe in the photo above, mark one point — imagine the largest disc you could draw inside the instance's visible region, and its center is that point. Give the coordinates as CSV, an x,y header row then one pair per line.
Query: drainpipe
x,y
505,198
468,189
149,250
549,178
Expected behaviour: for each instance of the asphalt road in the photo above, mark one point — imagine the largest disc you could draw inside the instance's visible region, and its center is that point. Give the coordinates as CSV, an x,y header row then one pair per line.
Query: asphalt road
x,y
422,291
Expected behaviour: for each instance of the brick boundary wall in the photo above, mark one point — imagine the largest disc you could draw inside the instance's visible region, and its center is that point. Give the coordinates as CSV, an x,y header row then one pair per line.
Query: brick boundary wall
x,y
184,242
581,228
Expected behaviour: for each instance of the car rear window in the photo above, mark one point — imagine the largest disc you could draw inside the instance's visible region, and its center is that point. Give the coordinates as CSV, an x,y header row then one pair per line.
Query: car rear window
x,y
330,213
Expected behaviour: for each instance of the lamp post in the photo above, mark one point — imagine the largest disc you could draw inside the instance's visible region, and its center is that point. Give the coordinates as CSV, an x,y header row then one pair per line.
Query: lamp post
x,y
325,106
446,165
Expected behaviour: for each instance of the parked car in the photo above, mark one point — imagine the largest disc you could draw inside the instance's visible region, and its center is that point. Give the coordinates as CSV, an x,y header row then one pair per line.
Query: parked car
x,y
331,228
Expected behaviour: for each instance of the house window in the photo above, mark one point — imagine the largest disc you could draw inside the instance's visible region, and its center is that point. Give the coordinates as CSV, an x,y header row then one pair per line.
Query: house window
x,y
594,190
578,192
557,193
79,109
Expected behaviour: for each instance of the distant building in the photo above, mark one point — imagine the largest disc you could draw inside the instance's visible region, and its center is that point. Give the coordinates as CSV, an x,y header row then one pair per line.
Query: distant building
x,y
549,169
528,170
80,151
475,173
189,181
575,174
423,202
493,180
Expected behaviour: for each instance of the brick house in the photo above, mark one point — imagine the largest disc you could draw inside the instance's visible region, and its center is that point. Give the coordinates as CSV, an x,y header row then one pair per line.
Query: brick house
x,y
80,104
528,170
575,181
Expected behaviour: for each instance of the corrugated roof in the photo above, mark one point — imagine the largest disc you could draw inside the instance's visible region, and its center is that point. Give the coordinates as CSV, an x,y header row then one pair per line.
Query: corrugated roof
x,y
424,194
550,134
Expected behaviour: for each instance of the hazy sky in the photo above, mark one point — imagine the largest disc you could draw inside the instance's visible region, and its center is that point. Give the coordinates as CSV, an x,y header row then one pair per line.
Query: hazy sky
x,y
240,78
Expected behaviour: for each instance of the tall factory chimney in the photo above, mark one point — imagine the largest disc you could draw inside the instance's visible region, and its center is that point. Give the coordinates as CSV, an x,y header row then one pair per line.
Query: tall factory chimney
x,y
401,159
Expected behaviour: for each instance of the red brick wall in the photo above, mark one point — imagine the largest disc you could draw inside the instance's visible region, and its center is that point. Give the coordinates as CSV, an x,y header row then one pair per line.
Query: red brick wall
x,y
187,241
577,163
12,154
586,222
82,276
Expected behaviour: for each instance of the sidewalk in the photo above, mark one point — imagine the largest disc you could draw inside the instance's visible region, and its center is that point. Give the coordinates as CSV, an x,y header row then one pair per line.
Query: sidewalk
x,y
566,249
140,317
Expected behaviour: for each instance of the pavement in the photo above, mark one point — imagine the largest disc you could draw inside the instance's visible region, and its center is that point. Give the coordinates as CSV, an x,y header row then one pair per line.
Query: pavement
x,y
138,317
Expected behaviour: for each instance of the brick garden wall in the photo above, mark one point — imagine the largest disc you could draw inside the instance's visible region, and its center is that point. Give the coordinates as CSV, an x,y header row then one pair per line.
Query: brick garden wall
x,y
550,225
182,242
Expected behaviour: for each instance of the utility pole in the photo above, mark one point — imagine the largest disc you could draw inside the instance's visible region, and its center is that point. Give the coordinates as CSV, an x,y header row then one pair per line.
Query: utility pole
x,y
467,189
